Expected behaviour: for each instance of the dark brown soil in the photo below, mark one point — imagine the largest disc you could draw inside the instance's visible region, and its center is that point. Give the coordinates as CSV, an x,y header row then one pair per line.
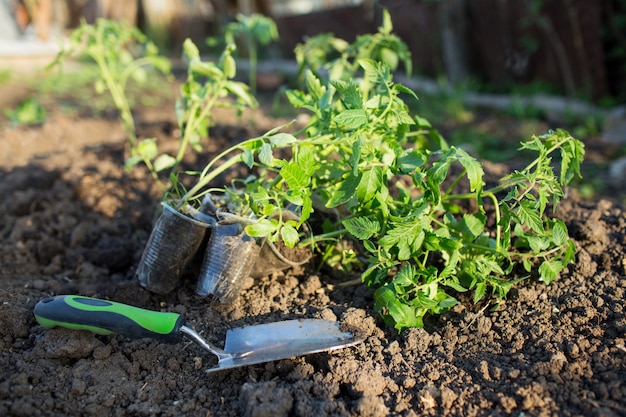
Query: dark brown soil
x,y
72,221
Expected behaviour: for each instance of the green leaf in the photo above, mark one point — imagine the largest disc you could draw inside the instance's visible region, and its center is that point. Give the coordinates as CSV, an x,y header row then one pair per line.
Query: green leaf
x,y
409,160
229,65
376,273
163,162
262,228
247,157
351,119
241,91
387,26
538,243
406,236
473,224
307,160
282,139
147,149
480,290
314,85
572,155
361,227
529,216
265,155
402,89
345,192
474,169
289,235
350,94
206,69
294,176
405,278
190,49
549,270
402,315
132,161
370,184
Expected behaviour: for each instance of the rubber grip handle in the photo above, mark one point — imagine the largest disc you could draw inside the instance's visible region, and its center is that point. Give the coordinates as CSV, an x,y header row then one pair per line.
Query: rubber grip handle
x,y
106,317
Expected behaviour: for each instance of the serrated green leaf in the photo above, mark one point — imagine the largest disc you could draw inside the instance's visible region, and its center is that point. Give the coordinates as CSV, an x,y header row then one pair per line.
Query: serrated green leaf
x,y
402,117
351,119
549,270
405,278
474,169
538,243
406,236
529,216
403,89
480,290
294,176
559,233
314,85
403,316
572,155
361,227
409,160
306,160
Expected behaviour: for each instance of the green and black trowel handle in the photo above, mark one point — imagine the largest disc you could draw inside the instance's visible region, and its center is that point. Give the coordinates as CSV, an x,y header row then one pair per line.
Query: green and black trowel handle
x,y
106,317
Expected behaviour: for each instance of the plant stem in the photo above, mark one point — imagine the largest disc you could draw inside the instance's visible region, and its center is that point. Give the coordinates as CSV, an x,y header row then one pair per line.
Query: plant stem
x,y
321,237
253,63
496,207
192,123
206,179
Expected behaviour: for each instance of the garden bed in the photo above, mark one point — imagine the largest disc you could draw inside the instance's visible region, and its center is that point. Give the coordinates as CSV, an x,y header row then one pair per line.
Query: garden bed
x,y
74,222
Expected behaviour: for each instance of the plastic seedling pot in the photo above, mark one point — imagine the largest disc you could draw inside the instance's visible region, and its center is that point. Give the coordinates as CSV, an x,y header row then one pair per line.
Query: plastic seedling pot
x,y
229,258
175,239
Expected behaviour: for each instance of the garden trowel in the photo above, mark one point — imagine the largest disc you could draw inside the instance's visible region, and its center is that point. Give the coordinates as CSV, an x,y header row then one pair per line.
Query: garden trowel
x,y
244,345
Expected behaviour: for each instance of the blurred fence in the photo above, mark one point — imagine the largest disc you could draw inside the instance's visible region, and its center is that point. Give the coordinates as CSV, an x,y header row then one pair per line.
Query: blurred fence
x,y
576,46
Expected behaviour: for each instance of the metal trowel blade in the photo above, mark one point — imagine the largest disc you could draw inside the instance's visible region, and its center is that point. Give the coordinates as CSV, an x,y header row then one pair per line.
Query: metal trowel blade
x,y
280,340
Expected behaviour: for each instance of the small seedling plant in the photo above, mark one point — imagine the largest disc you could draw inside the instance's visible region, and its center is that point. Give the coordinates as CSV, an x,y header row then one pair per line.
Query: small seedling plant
x,y
28,112
251,31
122,53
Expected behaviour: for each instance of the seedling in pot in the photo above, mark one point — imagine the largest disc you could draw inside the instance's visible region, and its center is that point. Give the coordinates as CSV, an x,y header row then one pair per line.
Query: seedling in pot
x,y
208,85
